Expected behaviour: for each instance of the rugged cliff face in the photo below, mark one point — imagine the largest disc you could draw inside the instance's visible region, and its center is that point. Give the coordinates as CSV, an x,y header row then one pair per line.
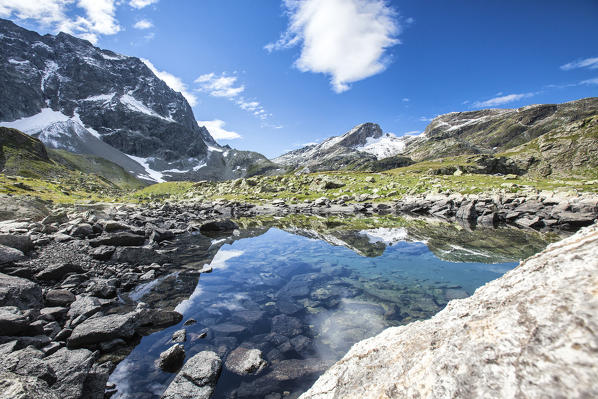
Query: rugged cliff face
x,y
118,99
530,333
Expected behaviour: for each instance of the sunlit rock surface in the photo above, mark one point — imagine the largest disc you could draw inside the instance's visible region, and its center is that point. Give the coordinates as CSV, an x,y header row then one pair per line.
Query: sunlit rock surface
x,y
530,333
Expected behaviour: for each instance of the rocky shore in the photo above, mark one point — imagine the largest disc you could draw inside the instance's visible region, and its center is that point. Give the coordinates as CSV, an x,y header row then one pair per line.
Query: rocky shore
x,y
530,333
63,271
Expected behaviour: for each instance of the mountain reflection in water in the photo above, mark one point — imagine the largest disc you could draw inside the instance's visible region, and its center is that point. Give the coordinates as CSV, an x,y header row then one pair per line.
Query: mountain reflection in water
x,y
303,290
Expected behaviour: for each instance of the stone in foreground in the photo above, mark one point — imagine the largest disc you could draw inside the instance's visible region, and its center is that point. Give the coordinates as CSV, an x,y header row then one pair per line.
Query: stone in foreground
x,y
530,333
197,378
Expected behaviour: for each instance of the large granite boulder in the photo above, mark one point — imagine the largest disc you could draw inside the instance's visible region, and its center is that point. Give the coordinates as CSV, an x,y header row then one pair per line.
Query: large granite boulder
x,y
530,333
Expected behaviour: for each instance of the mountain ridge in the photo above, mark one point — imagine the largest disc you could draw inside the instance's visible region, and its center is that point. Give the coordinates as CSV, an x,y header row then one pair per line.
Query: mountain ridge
x,y
117,98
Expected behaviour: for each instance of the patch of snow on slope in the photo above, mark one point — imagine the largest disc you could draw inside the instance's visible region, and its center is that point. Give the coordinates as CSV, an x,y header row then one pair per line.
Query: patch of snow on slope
x,y
383,147
151,174
210,148
36,123
389,236
17,62
102,97
135,105
91,130
51,68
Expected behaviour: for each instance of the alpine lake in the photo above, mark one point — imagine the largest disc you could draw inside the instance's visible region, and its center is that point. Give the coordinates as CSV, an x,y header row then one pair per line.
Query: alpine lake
x,y
304,289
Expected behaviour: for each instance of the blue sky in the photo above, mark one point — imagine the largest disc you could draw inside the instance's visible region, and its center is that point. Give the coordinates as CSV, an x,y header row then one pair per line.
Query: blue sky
x,y
282,74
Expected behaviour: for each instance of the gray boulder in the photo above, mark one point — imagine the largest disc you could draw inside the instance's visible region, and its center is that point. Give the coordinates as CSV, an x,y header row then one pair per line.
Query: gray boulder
x,y
172,359
95,330
103,252
12,321
58,271
84,306
197,378
19,292
9,255
15,386
59,298
28,362
20,242
72,369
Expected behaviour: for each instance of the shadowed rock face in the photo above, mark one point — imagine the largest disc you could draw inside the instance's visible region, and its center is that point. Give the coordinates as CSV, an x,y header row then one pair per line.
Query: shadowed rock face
x,y
530,333
116,97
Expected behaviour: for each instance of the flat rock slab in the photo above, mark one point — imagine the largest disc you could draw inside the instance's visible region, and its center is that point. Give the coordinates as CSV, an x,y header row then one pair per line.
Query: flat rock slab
x,y
96,330
197,378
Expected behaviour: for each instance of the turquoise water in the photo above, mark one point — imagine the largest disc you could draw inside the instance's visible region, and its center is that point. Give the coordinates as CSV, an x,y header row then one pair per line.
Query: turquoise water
x,y
302,298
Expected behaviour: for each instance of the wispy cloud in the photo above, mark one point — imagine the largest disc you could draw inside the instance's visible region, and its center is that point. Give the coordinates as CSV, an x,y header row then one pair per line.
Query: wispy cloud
x,y
219,86
143,24
216,129
228,86
593,81
99,16
426,119
346,39
139,4
591,63
174,82
509,98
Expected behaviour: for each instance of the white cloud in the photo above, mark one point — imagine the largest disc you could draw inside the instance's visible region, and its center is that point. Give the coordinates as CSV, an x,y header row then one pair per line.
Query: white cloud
x,y
406,99
493,102
591,63
589,82
139,4
174,82
99,16
219,86
346,39
143,24
426,119
228,87
412,133
216,129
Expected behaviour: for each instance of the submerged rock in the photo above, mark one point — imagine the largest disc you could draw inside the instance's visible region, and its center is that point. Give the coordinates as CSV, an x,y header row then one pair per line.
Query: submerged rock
x,y
530,333
244,361
197,378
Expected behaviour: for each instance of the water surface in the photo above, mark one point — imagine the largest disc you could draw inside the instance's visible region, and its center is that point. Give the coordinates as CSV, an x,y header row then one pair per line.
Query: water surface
x,y
303,293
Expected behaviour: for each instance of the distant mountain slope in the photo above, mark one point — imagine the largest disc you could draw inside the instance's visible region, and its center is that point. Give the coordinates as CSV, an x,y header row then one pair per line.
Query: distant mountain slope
x,y
26,156
492,131
358,148
118,99
489,131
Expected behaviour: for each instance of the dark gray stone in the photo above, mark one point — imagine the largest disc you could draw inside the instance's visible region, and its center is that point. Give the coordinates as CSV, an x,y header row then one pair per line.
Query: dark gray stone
x,y
19,292
172,359
95,330
58,271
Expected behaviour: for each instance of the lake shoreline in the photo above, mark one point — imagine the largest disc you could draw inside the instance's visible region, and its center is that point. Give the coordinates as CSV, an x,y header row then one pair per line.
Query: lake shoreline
x,y
94,243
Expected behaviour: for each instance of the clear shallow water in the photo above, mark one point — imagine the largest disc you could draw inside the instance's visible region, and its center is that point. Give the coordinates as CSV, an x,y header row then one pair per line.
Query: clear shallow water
x,y
304,301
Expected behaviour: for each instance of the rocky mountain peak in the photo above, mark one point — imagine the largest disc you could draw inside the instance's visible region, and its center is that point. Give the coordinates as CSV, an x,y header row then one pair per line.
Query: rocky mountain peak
x,y
116,98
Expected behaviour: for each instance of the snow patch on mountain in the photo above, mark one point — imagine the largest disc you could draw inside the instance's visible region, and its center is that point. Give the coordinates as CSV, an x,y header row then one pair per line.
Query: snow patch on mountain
x,y
135,105
36,123
383,147
150,174
388,236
